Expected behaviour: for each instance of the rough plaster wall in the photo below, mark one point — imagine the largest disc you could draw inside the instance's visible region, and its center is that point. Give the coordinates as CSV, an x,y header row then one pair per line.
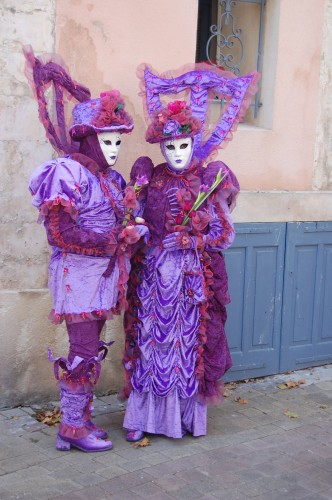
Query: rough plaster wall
x,y
323,150
23,250
25,374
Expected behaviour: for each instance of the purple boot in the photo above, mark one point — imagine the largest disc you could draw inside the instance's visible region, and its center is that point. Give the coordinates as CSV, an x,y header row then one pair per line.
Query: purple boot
x,y
73,431
95,430
76,382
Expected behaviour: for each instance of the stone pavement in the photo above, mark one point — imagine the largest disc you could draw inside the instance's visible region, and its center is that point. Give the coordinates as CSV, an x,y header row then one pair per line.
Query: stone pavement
x,y
252,450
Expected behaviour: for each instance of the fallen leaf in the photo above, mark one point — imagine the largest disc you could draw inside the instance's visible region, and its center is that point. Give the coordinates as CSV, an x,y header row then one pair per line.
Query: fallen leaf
x,y
227,394
291,384
230,385
14,417
141,444
323,406
241,401
49,417
290,414
246,380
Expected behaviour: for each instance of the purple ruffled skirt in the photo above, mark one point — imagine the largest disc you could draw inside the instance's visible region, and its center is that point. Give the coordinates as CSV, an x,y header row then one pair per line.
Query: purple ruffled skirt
x,y
172,416
164,398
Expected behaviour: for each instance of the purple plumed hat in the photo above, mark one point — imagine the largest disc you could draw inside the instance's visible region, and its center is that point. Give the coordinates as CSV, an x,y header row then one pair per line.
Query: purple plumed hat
x,y
203,83
105,114
172,122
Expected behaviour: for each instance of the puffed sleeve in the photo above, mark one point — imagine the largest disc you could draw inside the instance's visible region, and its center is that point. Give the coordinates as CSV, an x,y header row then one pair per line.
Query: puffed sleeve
x,y
57,188
221,229
229,188
141,172
143,166
58,182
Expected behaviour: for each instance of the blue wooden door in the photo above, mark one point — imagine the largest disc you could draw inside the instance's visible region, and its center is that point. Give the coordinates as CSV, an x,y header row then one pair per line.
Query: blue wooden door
x,y
280,279
255,265
307,303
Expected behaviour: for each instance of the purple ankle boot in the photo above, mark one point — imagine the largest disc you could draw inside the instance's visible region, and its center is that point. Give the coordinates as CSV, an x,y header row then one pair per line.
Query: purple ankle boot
x,y
95,430
76,382
73,430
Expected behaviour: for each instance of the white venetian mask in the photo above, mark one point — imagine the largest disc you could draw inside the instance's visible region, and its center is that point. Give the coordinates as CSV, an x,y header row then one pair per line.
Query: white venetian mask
x,y
177,152
110,144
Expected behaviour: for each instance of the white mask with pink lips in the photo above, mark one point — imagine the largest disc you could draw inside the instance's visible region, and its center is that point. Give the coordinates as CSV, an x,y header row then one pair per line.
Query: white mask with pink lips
x,y
110,143
178,153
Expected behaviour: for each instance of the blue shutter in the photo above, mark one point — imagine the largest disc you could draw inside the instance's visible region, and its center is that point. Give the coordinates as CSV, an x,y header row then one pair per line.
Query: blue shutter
x,y
307,311
255,268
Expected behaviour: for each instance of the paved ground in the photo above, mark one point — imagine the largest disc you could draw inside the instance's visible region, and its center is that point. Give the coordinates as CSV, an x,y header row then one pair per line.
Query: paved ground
x,y
253,450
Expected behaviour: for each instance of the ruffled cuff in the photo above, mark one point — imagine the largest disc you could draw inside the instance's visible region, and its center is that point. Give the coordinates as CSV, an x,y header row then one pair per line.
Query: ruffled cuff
x,y
47,206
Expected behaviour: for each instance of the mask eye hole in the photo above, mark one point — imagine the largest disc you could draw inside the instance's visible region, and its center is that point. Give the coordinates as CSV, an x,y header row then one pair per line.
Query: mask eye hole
x,y
170,147
183,146
108,143
118,142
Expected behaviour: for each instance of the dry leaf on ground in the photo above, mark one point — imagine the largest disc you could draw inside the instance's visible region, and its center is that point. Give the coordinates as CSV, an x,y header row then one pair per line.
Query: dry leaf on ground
x,y
49,417
230,385
323,406
291,384
290,414
241,401
141,444
227,394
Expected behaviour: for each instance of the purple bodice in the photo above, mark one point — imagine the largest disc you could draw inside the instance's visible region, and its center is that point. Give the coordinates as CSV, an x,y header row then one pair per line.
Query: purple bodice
x,y
70,181
177,287
80,287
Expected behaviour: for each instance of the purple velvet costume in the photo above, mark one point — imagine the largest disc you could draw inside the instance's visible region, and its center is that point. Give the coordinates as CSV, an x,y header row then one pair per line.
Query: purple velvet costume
x,y
177,305
79,289
82,203
176,348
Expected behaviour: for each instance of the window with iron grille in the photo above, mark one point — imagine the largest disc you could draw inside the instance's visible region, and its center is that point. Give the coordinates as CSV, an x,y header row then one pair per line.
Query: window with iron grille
x,y
230,34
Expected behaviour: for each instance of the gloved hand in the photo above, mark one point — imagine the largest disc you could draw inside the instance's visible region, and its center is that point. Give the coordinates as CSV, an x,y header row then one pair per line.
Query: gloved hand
x,y
143,231
179,241
131,234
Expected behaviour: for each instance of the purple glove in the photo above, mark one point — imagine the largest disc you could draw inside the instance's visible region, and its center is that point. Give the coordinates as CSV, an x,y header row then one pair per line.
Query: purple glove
x,y
179,241
65,233
143,231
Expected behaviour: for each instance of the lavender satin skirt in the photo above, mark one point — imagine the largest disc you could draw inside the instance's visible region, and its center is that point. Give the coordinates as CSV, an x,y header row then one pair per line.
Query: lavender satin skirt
x,y
164,383
171,415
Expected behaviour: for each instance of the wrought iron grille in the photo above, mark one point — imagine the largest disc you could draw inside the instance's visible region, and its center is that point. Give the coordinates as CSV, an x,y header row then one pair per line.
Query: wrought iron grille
x,y
226,39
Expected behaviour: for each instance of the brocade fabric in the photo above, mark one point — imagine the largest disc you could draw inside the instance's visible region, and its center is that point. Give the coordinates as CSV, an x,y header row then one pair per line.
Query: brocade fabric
x,y
176,347
79,290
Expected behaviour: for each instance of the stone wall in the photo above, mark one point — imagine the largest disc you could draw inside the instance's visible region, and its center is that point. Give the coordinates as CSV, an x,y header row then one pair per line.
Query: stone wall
x,y
102,43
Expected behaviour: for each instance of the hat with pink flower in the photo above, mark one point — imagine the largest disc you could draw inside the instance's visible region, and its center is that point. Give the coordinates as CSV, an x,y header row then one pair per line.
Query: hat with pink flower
x,y
105,114
172,122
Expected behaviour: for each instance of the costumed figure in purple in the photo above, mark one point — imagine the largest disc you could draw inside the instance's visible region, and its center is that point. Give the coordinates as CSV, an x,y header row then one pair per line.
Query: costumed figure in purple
x,y
80,199
176,349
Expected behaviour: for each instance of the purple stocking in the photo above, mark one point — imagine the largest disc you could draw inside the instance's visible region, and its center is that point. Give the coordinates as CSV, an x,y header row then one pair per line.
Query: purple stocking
x,y
84,339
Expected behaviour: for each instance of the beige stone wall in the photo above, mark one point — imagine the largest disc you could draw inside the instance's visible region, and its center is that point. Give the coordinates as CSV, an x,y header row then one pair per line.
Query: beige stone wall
x,y
284,166
323,148
23,271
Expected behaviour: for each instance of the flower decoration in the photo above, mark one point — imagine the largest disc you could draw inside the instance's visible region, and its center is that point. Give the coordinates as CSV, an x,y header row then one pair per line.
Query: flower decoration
x,y
110,110
175,120
130,198
189,210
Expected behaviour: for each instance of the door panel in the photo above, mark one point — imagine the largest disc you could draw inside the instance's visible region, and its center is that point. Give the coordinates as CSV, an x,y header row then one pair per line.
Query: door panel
x,y
307,310
255,268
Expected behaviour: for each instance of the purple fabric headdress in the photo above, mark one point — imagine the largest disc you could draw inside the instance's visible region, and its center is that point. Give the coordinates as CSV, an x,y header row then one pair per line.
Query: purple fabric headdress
x,y
90,116
172,122
202,81
105,114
